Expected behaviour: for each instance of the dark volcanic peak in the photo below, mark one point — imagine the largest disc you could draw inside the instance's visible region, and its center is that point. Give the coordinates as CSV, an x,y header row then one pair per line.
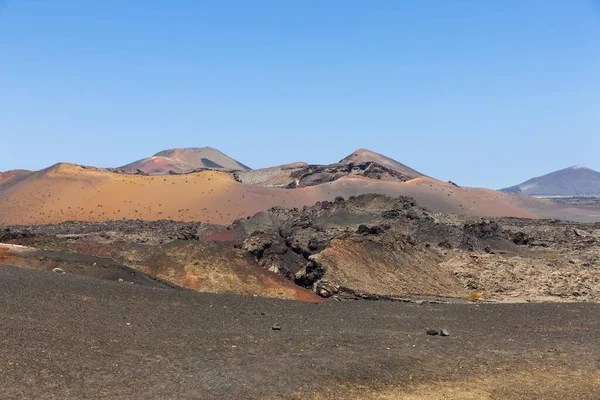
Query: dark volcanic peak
x,y
364,155
301,175
186,160
361,163
568,182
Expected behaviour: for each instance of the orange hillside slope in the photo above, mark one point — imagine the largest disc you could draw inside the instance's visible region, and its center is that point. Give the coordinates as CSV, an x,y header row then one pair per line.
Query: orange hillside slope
x,y
70,192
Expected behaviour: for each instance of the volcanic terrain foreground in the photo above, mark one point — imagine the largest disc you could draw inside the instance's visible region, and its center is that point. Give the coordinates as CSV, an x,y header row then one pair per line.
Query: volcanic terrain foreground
x,y
370,246
70,337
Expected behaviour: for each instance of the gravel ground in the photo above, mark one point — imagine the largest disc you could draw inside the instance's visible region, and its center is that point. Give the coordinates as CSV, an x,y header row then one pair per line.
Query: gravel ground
x,y
73,337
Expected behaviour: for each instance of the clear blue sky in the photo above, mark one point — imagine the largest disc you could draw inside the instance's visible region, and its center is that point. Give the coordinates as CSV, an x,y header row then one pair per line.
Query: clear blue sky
x,y
486,93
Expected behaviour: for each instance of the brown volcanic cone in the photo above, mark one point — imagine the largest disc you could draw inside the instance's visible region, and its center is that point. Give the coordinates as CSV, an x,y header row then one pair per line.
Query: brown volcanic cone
x,y
361,163
364,155
186,160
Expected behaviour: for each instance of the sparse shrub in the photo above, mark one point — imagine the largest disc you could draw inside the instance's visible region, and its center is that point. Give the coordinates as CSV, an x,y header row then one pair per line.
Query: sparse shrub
x,y
474,296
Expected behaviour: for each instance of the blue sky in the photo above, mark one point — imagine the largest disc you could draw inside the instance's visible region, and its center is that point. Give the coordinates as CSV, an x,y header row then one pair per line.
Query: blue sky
x,y
485,93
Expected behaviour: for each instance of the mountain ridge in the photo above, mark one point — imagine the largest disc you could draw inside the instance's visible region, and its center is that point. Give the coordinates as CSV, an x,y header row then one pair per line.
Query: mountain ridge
x,y
572,181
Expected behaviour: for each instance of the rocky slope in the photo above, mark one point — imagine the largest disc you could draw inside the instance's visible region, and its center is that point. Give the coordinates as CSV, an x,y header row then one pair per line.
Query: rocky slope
x,y
361,163
377,247
368,246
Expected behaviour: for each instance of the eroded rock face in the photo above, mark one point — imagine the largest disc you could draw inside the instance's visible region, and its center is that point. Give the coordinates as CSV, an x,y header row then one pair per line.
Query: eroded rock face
x,y
303,175
385,265
317,174
374,246
182,254
271,252
366,246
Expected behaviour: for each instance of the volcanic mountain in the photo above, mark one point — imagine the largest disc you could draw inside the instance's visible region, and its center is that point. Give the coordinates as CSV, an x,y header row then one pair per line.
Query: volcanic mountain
x,y
66,192
13,175
361,163
364,155
185,160
569,182
69,192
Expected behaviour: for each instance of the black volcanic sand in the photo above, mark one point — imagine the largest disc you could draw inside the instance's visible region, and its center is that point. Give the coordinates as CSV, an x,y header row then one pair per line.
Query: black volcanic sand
x,y
73,337
86,265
